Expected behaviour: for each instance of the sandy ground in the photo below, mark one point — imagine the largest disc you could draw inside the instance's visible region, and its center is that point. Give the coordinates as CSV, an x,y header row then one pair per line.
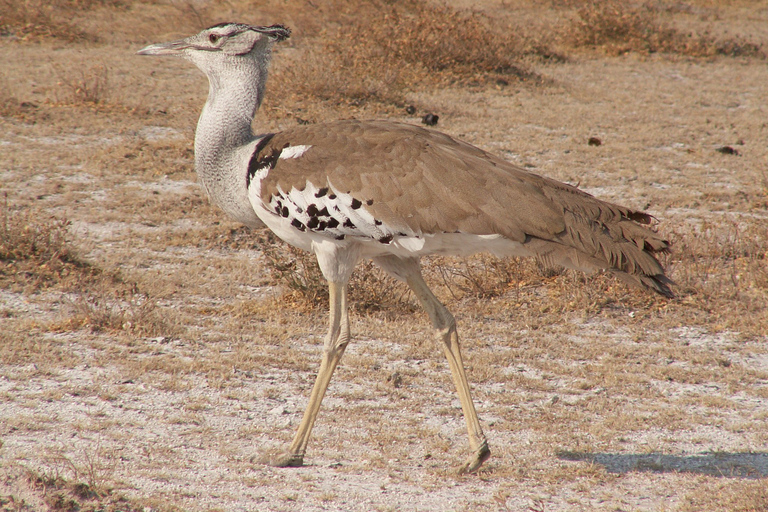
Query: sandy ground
x,y
625,409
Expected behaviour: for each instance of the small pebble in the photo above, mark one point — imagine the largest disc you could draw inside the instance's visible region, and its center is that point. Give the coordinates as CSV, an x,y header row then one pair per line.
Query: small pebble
x,y
728,150
430,119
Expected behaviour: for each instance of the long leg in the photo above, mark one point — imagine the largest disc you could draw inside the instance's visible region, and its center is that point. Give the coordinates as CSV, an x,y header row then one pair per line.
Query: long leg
x,y
335,343
445,327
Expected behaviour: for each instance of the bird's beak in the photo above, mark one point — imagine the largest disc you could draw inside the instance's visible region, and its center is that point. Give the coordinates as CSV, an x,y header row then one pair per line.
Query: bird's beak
x,y
172,48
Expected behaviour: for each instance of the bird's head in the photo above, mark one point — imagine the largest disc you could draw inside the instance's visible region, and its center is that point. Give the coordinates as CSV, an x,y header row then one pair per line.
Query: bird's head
x,y
222,41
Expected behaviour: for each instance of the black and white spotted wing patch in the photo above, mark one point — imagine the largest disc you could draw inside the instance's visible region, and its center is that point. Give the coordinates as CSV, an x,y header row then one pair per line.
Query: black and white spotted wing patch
x,y
324,210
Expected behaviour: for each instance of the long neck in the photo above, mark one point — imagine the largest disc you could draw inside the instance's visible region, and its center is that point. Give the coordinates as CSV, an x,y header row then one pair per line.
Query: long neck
x,y
223,131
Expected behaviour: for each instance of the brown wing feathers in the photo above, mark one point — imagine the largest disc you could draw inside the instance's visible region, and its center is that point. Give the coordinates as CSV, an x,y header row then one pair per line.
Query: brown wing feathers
x,y
431,183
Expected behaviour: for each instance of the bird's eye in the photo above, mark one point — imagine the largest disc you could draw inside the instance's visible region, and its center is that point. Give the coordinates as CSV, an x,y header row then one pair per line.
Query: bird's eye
x,y
213,38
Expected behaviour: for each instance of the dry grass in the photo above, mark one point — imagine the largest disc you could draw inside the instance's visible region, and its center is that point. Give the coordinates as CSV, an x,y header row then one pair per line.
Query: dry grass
x,y
36,253
84,86
34,20
9,103
620,27
371,290
305,289
485,276
21,344
35,249
722,276
382,50
752,497
54,493
117,309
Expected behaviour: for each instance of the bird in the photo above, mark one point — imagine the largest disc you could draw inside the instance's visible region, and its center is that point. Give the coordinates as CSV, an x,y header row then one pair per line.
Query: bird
x,y
390,192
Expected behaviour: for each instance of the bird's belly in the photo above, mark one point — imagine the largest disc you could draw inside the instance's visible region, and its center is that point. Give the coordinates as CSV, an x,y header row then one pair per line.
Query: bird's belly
x,y
447,244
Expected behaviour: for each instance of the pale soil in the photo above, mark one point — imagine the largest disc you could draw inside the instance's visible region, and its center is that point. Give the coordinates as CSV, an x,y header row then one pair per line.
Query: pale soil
x,y
626,409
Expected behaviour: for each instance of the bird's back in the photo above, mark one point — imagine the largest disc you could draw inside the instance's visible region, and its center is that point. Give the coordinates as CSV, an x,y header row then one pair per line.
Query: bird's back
x,y
408,181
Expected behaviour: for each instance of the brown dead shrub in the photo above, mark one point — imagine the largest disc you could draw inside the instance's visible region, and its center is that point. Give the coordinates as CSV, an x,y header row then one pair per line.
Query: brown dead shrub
x,y
297,272
35,249
84,86
480,276
620,27
45,19
440,39
25,236
117,307
750,496
9,103
720,273
61,494
381,49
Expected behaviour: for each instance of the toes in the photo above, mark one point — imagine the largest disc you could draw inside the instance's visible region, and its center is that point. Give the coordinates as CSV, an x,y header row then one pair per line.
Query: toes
x,y
287,460
477,459
279,459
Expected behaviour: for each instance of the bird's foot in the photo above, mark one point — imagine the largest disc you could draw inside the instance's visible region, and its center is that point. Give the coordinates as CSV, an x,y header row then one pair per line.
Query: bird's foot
x,y
287,460
476,460
280,459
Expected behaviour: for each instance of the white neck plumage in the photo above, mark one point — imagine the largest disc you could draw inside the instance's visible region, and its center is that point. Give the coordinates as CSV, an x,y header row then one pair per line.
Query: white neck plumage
x,y
224,133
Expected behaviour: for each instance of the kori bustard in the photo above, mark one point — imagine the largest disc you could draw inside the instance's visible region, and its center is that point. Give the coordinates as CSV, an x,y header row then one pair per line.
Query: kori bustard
x,y
390,192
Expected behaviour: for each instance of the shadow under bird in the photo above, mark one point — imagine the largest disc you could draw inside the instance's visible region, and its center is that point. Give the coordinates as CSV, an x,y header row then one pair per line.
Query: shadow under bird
x,y
389,192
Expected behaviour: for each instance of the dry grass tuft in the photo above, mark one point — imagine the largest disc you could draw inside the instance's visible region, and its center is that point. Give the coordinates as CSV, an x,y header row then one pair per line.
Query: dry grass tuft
x,y
470,281
20,345
84,86
383,49
9,103
34,20
483,275
34,249
722,273
25,237
117,308
372,290
751,496
294,270
619,27
297,272
58,494
437,39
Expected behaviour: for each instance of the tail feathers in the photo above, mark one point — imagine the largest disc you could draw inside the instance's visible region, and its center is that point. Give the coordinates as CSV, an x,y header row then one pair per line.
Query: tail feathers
x,y
622,247
658,283
642,236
